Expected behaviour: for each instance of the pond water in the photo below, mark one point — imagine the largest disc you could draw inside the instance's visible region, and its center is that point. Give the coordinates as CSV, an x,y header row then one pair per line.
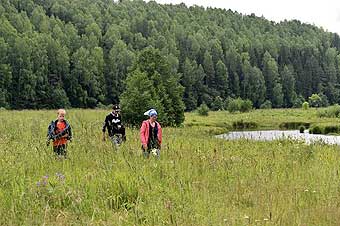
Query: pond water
x,y
268,135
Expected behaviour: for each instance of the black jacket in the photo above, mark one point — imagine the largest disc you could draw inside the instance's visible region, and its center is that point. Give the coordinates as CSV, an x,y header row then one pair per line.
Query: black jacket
x,y
113,124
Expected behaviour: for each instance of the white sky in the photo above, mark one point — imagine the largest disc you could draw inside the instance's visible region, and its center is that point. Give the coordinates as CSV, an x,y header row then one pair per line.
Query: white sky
x,y
321,13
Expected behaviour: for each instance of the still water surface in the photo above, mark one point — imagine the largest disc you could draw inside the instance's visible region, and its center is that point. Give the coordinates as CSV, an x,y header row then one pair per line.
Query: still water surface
x,y
268,135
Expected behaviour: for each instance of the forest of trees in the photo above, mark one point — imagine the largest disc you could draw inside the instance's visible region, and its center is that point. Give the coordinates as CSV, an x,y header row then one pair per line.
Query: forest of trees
x,y
85,53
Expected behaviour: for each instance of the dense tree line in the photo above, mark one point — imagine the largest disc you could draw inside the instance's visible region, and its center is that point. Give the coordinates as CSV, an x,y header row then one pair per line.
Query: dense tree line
x,y
83,53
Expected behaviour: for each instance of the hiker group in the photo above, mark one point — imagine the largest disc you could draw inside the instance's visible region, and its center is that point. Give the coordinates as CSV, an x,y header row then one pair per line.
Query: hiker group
x,y
60,132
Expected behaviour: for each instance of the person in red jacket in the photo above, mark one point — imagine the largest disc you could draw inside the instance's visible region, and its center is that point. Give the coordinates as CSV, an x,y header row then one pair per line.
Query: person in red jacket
x,y
151,134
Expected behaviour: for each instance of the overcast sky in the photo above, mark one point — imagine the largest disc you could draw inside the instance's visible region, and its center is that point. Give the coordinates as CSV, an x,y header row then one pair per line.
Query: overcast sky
x,y
325,13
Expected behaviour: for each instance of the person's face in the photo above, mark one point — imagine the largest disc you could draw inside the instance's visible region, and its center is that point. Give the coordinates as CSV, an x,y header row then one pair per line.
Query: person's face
x,y
153,118
61,117
116,112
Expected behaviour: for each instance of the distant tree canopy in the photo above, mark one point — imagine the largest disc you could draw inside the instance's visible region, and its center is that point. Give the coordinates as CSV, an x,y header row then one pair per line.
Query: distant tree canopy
x,y
84,53
152,84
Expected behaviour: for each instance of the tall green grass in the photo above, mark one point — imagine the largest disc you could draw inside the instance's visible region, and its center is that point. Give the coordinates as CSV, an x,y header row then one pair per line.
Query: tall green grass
x,y
199,179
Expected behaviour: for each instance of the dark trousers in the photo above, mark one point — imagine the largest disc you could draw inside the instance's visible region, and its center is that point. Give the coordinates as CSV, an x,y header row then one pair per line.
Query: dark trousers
x,y
121,130
153,151
60,150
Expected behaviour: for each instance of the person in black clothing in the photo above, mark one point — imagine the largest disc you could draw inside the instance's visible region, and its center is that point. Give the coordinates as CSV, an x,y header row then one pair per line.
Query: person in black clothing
x,y
113,123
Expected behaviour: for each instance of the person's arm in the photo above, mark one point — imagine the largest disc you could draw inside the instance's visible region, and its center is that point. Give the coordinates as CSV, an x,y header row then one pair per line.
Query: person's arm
x,y
105,125
49,131
120,123
143,136
50,135
69,137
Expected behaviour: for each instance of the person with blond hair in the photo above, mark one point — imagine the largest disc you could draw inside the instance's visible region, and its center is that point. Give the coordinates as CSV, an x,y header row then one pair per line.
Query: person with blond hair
x,y
60,132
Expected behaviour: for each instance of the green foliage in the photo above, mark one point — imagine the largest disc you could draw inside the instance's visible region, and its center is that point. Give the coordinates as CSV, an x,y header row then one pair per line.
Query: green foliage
x,y
271,74
330,112
305,105
218,104
97,185
240,105
314,100
288,86
152,85
325,129
266,105
221,78
244,125
203,110
52,190
234,105
294,125
298,102
140,95
120,58
59,99
316,129
246,105
6,75
278,96
121,194
324,100
103,106
188,80
210,52
334,129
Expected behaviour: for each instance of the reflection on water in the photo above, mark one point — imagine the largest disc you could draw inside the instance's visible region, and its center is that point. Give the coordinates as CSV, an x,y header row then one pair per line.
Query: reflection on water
x,y
268,135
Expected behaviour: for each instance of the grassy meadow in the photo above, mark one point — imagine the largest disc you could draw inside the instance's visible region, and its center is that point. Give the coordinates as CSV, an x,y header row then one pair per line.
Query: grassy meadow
x,y
199,179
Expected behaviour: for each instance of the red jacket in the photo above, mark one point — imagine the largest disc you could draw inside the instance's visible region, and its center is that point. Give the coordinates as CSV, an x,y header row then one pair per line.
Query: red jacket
x,y
144,132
